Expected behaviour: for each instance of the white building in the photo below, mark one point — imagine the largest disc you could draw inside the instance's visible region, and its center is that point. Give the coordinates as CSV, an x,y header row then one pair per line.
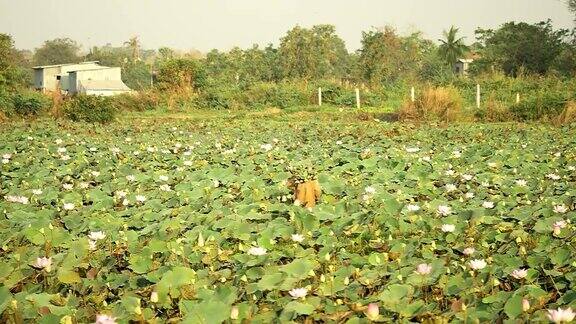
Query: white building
x,y
84,78
462,65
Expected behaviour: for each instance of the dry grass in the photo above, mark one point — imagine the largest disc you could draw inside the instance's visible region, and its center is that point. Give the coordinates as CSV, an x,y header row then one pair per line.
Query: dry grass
x,y
567,116
57,100
496,111
442,104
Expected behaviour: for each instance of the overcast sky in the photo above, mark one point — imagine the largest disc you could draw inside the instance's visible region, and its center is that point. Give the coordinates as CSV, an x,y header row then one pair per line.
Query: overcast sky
x,y
223,24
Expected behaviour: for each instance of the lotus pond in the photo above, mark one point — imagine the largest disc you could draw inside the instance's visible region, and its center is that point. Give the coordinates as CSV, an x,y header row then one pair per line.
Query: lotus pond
x,y
193,221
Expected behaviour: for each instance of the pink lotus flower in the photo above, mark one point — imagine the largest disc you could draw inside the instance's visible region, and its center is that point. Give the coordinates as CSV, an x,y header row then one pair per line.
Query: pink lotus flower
x,y
298,293
469,251
558,226
561,315
519,273
44,263
424,269
105,319
478,264
373,311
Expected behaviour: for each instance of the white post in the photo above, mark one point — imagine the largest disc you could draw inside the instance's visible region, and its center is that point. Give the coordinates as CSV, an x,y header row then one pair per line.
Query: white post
x,y
517,97
357,98
319,96
413,94
477,96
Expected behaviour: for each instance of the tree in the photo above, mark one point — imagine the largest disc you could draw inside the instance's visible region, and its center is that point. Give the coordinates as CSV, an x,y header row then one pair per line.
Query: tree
x,y
312,53
12,64
57,51
134,45
181,73
386,57
452,47
517,47
572,7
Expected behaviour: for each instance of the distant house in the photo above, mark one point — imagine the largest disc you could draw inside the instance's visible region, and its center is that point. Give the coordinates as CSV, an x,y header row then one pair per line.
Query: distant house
x,y
462,65
80,78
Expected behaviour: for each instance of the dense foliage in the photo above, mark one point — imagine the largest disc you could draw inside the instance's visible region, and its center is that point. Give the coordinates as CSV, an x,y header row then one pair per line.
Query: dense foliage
x,y
194,221
91,109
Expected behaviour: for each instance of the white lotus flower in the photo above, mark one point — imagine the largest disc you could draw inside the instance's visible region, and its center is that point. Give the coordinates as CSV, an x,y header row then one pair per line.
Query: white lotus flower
x,y
339,142
95,236
95,174
65,157
492,164
7,156
450,172
84,185
426,158
130,178
444,210
5,161
58,141
188,163
450,187
448,228
413,208
519,273
266,147
370,190
68,206
469,195
553,176
62,150
412,149
467,177
478,264
297,237
165,187
187,153
561,315
105,319
488,204
572,168
37,192
257,251
521,183
457,154
163,178
93,149
17,199
423,269
68,186
140,198
469,251
92,245
121,193
560,209
298,293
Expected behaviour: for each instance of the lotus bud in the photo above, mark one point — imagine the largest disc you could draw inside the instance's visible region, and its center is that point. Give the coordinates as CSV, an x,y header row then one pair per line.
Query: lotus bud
x,y
373,311
346,281
244,278
200,240
154,297
327,257
234,312
322,278
525,305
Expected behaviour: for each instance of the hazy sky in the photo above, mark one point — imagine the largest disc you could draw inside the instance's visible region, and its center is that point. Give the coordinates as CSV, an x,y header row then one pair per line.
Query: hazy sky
x,y
222,24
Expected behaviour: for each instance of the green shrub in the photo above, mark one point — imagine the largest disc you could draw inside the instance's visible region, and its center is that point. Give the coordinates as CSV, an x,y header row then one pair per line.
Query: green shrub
x,y
540,105
93,109
141,101
6,103
28,103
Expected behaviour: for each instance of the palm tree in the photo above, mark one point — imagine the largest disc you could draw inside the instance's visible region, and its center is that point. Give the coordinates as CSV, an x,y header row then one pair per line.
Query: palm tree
x,y
134,45
452,47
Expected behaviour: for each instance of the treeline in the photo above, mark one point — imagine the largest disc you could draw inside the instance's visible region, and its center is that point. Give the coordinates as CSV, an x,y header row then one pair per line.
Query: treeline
x,y
385,67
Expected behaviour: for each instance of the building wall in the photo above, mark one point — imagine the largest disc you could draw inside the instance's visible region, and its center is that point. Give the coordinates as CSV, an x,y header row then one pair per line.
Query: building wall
x,y
100,74
104,93
45,79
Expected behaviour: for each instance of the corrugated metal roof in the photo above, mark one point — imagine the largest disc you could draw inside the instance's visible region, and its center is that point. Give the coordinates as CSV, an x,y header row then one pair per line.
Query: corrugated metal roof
x,y
116,85
95,68
65,64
